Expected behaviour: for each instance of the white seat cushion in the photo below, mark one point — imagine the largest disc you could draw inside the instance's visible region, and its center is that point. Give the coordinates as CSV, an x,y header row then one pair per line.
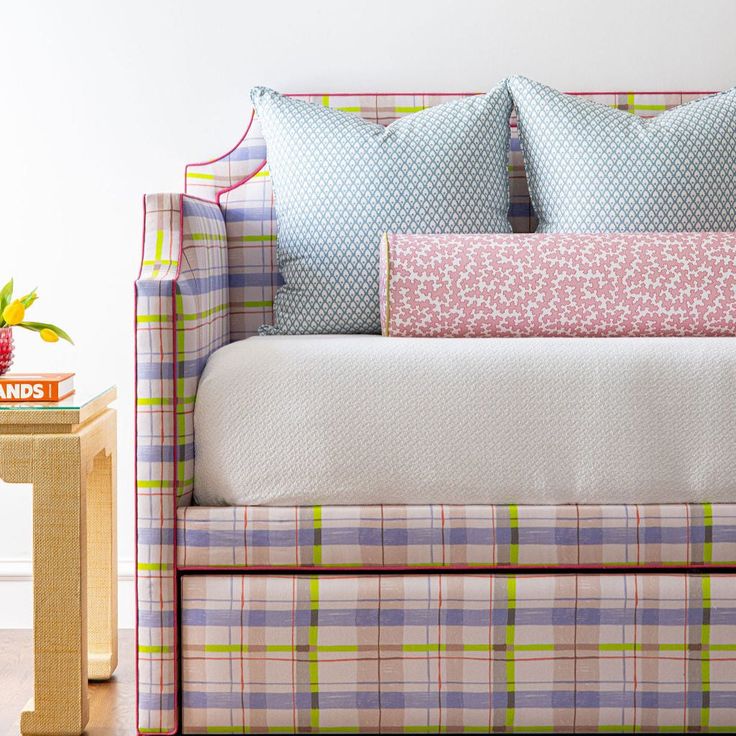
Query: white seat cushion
x,y
306,420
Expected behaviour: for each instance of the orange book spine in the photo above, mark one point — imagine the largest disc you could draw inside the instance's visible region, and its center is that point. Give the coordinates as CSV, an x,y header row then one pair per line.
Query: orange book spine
x,y
20,391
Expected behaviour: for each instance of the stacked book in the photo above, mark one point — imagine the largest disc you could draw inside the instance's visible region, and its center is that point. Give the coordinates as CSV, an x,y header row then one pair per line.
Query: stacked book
x,y
36,387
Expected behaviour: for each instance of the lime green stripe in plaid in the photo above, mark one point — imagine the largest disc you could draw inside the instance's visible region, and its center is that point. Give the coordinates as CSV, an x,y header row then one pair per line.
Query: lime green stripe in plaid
x,y
510,636
220,237
657,108
514,525
158,252
154,566
633,105
151,401
154,401
182,316
197,175
255,238
154,484
148,649
148,318
253,305
708,523
313,639
704,656
161,262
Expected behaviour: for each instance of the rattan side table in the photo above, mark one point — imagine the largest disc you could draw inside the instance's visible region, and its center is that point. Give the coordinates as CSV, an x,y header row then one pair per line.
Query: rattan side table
x,y
67,451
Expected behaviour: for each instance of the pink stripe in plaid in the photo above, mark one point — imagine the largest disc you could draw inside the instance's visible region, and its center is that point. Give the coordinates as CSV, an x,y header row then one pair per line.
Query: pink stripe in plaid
x,y
457,536
434,653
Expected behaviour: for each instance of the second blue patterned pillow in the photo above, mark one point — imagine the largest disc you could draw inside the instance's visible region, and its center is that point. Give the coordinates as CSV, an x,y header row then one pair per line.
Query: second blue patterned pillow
x,y
340,181
592,168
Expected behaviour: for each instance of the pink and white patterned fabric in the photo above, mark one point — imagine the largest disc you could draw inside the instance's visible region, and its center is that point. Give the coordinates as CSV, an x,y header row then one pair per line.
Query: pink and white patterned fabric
x,y
563,285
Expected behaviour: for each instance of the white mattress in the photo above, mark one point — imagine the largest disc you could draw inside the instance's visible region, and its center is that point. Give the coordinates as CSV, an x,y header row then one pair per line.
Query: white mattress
x,y
366,419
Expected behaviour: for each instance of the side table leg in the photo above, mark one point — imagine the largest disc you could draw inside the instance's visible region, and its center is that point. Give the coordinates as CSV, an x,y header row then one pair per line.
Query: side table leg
x,y
102,584
60,706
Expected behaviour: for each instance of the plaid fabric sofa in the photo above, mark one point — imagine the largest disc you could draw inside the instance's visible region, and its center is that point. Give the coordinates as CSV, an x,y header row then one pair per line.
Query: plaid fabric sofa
x,y
392,619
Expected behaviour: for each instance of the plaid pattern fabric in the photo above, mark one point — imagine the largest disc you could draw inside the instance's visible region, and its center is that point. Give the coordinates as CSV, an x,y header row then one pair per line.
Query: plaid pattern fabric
x,y
456,536
181,317
207,270
459,653
241,182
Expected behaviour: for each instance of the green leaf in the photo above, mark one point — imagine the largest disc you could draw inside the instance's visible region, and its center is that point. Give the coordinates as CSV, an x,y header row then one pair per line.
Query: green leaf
x,y
38,326
6,296
29,298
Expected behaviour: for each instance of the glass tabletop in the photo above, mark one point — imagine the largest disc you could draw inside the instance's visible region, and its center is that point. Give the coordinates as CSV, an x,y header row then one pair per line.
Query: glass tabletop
x,y
78,400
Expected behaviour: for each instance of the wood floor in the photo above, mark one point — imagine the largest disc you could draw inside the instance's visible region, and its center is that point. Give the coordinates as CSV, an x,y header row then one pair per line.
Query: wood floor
x,y
111,704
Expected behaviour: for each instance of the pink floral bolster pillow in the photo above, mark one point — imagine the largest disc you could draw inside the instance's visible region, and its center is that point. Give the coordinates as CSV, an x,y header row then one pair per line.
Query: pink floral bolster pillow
x,y
577,285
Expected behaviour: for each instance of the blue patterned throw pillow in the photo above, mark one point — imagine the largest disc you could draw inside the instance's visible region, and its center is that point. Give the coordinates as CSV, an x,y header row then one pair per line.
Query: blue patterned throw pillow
x,y
593,168
339,181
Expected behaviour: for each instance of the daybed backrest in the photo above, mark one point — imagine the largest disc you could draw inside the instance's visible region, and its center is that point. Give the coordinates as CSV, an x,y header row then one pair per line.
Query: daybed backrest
x,y
241,182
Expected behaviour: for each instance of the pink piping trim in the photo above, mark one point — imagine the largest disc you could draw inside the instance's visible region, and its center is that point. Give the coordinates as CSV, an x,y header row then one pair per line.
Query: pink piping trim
x,y
196,199
239,183
224,155
135,450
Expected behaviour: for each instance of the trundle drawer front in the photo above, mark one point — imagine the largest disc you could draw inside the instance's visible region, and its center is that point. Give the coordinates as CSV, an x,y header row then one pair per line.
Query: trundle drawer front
x,y
475,652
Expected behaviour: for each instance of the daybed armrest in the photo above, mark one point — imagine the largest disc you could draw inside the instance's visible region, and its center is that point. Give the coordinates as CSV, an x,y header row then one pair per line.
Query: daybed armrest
x,y
181,318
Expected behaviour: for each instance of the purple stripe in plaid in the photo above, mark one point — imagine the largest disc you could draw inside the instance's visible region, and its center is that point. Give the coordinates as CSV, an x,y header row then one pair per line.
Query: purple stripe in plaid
x,y
248,207
379,536
181,317
504,653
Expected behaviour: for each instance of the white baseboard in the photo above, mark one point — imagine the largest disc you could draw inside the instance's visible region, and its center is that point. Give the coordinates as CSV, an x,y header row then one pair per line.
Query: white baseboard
x,y
16,593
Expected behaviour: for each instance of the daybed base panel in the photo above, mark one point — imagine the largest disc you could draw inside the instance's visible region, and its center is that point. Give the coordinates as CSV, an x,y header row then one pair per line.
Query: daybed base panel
x,y
435,653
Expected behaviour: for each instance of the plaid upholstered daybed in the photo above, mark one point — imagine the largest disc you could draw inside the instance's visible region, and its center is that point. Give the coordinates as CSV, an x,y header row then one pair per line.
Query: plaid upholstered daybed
x,y
393,618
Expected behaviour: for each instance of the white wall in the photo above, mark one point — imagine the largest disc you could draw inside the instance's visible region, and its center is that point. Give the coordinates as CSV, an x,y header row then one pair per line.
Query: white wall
x,y
103,101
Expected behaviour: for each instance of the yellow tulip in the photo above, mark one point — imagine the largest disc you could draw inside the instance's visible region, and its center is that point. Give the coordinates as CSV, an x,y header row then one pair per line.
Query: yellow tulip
x,y
48,335
14,313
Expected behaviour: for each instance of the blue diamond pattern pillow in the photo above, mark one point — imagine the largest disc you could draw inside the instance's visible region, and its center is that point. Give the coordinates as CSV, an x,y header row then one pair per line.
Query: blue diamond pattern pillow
x,y
339,181
593,168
